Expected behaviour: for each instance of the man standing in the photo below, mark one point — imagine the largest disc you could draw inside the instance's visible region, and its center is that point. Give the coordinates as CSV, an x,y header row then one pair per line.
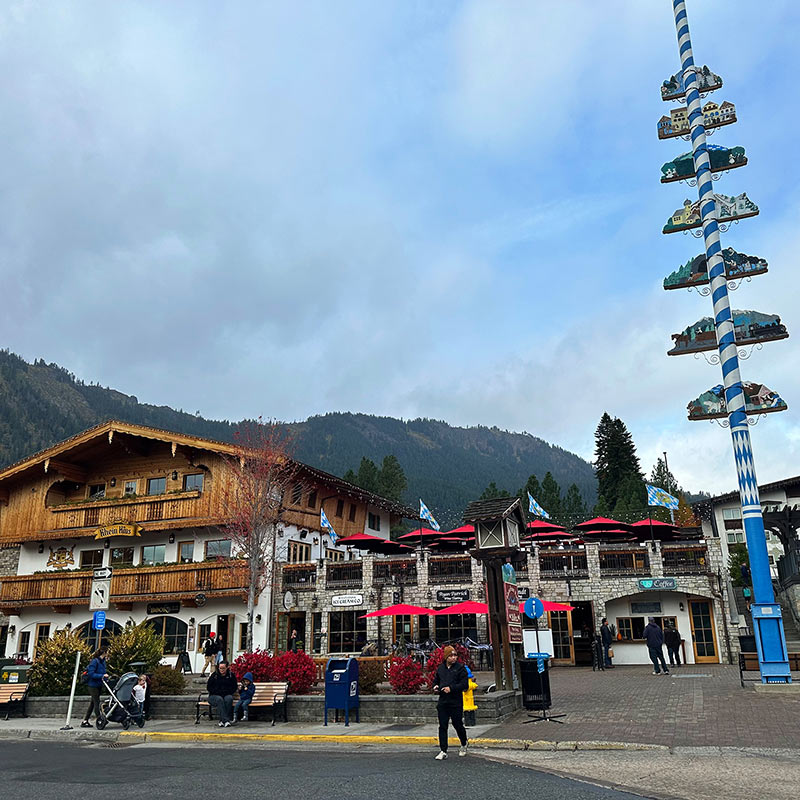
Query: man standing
x,y
209,653
654,637
607,639
672,639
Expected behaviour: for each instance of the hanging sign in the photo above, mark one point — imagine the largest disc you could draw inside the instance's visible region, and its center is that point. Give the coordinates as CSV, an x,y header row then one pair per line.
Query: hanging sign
x,y
452,596
347,600
118,529
513,616
658,583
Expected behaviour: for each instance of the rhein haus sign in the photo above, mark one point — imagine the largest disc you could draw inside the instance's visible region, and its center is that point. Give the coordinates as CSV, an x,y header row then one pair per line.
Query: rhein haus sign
x,y
118,529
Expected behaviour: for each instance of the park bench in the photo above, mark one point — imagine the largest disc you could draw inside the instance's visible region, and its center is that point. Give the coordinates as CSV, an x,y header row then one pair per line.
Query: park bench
x,y
748,662
268,695
13,695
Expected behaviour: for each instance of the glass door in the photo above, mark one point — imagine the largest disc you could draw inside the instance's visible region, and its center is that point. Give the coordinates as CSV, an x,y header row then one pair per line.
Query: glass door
x,y
704,639
404,628
561,626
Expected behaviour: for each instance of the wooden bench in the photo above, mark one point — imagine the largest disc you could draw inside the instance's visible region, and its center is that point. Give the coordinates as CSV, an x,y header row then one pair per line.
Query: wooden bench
x,y
748,662
268,695
13,695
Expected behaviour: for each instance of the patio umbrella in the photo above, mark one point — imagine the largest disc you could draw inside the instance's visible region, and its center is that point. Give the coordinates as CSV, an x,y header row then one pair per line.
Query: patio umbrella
x,y
553,536
453,543
400,610
609,535
467,607
464,530
540,526
646,528
373,544
602,524
419,536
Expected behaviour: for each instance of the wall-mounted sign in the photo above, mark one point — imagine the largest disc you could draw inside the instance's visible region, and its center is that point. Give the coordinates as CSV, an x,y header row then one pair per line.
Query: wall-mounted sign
x,y
513,615
200,600
524,592
650,584
347,600
61,558
99,620
163,608
288,601
645,608
118,529
100,595
452,596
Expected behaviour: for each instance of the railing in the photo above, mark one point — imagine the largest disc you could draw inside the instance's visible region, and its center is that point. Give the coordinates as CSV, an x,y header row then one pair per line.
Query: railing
x,y
300,576
684,560
450,570
789,568
222,578
404,571
563,564
349,575
520,565
624,561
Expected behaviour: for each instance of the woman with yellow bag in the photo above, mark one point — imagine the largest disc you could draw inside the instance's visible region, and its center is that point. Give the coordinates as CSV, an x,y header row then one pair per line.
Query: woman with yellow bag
x,y
469,700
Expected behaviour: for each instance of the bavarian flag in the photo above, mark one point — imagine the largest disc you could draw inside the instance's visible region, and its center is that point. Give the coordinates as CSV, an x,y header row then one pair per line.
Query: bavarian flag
x,y
326,526
658,497
535,509
424,513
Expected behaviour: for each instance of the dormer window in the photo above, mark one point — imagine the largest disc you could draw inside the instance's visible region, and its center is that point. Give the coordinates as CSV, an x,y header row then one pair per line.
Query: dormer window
x,y
97,491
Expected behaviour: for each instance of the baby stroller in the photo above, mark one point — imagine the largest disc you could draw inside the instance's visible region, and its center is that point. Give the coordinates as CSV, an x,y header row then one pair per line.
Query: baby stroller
x,y
121,706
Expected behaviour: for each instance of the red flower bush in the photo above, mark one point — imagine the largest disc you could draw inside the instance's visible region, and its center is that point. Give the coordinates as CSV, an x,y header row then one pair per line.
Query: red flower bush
x,y
259,662
297,669
437,656
405,675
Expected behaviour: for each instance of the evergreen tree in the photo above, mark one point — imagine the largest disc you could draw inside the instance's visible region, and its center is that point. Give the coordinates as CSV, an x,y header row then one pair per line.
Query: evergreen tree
x,y
632,500
392,482
615,459
351,477
602,439
550,500
663,478
533,486
367,477
601,508
684,516
573,507
491,492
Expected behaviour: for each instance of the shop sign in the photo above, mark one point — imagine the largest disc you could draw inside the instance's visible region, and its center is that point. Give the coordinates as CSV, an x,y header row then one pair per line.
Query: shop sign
x,y
452,596
347,600
513,615
163,608
524,592
658,584
118,529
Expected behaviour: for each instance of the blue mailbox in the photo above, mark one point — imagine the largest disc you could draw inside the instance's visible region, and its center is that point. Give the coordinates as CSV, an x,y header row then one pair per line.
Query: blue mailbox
x,y
341,687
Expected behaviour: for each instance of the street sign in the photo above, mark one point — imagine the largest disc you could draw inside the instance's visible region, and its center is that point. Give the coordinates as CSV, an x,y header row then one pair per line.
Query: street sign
x,y
102,573
100,594
534,608
99,620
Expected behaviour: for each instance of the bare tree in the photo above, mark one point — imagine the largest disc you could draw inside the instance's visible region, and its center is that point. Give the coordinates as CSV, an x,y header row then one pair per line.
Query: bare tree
x,y
261,471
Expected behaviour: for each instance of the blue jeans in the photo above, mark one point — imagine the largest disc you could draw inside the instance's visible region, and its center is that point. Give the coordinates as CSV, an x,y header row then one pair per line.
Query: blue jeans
x,y
656,655
222,705
606,657
241,705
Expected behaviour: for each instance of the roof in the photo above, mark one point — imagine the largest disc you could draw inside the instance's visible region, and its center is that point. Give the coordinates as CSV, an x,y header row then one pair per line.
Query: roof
x,y
762,487
112,427
498,508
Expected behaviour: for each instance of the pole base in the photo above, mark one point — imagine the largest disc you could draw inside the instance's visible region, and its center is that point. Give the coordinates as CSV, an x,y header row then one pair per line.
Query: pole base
x,y
545,717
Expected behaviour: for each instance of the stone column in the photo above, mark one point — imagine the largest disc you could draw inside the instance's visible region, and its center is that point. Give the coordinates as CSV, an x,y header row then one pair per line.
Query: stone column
x,y
656,562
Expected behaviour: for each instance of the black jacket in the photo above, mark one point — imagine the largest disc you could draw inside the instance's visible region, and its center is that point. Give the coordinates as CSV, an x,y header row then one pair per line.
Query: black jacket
x,y
457,679
605,634
672,638
653,635
222,685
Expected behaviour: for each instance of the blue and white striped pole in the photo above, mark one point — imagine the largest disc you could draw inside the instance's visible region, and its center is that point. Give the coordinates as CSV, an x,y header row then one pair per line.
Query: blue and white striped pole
x,y
766,613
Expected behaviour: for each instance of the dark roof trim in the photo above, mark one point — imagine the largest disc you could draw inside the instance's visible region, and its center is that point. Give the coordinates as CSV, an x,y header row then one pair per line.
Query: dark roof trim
x,y
764,487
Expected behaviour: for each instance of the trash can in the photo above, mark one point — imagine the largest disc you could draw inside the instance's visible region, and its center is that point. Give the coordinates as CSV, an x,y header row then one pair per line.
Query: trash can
x,y
534,680
15,673
341,687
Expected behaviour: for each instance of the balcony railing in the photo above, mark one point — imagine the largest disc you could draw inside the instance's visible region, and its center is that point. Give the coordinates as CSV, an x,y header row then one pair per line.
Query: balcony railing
x,y
300,576
347,575
520,565
174,581
400,571
450,570
624,561
563,564
684,560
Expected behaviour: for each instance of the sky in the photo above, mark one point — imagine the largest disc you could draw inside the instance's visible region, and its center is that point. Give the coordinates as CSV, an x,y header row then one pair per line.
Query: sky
x,y
448,210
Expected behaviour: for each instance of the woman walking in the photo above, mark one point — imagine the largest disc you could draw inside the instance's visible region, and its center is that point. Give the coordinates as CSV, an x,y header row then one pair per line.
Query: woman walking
x,y
95,673
450,684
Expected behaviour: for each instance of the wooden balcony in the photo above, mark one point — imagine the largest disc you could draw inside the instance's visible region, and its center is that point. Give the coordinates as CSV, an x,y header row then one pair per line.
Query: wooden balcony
x,y
563,563
346,575
623,561
300,576
685,559
61,590
402,572
450,570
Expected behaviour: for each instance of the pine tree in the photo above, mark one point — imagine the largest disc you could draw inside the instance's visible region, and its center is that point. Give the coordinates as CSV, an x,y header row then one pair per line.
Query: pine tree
x,y
602,438
491,492
550,500
367,477
632,498
663,478
601,508
615,459
392,482
533,486
351,477
573,507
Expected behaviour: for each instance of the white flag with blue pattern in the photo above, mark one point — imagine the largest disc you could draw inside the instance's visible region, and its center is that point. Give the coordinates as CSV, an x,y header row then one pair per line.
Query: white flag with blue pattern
x,y
658,497
424,513
325,524
535,509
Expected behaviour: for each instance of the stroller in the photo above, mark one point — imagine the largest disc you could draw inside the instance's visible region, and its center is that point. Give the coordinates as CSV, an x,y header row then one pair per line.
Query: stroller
x,y
121,706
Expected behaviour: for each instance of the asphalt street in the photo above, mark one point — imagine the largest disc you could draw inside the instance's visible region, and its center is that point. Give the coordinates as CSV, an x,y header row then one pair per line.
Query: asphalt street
x,y
44,770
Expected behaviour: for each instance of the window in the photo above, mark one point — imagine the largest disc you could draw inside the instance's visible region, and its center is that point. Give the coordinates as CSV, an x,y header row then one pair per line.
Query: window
x,y
346,632
316,632
174,632
97,491
101,638
312,499
735,537
334,555
218,548
374,522
299,552
339,508
732,518
243,636
154,554
42,635
185,552
202,635
24,644
455,626
130,487
91,559
352,515
193,482
632,628
297,494
156,485
122,557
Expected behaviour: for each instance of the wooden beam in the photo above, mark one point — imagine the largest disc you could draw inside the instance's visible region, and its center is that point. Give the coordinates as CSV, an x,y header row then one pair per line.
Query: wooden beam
x,y
3,495
72,472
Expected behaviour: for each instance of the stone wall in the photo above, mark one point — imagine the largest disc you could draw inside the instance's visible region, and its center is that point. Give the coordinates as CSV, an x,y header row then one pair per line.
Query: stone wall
x,y
9,563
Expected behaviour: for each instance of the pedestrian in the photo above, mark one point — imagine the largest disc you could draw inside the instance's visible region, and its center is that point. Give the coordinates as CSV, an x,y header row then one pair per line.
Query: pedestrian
x,y
219,649
293,641
209,653
221,688
672,639
450,683
607,639
95,673
654,637
246,691
140,691
469,700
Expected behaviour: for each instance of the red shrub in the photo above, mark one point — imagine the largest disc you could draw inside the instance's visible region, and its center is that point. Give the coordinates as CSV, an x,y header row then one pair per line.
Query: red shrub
x,y
259,662
437,656
297,669
405,675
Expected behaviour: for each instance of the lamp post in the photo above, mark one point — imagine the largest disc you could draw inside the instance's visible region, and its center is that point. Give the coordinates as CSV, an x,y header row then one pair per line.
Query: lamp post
x,y
766,613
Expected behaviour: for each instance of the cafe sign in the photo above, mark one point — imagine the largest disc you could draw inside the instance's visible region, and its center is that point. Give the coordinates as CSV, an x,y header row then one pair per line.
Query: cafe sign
x,y
118,529
658,584
347,600
452,596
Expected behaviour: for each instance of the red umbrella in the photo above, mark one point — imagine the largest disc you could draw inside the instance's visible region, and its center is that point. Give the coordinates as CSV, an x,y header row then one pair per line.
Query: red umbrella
x,y
540,526
373,544
467,607
400,610
660,530
603,523
555,536
468,530
419,535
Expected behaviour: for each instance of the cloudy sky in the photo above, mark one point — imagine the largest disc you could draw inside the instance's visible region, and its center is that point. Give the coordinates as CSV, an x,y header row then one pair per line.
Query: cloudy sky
x,y
445,209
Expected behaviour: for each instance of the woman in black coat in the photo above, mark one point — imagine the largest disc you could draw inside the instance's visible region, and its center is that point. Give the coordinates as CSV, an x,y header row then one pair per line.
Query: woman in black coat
x,y
450,684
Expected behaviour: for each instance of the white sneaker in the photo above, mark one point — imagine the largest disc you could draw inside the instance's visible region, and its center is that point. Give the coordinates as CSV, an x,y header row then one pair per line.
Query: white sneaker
x,y
227,724
462,751
221,724
442,756
656,673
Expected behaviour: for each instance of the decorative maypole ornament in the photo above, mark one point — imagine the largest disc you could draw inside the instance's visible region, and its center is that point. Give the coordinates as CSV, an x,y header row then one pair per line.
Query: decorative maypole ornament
x,y
730,399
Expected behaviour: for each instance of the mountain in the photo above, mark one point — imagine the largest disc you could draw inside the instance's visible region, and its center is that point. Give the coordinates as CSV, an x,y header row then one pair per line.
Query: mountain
x,y
41,404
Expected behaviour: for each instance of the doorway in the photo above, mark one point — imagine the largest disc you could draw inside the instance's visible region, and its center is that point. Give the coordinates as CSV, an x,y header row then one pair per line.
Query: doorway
x,y
704,637
223,635
297,631
573,632
403,628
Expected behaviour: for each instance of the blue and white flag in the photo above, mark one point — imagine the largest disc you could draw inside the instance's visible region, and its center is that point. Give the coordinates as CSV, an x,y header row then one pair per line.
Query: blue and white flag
x,y
658,497
535,509
326,526
424,513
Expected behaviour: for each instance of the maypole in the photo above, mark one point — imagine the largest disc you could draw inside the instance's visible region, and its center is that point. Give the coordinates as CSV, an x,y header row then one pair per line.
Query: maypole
x,y
766,613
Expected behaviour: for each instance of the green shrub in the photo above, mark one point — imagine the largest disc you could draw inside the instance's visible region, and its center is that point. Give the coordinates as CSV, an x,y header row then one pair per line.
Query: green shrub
x,y
370,674
52,672
166,680
134,643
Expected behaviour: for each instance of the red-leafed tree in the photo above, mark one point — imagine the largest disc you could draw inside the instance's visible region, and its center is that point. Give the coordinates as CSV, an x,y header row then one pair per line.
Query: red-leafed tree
x,y
262,471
